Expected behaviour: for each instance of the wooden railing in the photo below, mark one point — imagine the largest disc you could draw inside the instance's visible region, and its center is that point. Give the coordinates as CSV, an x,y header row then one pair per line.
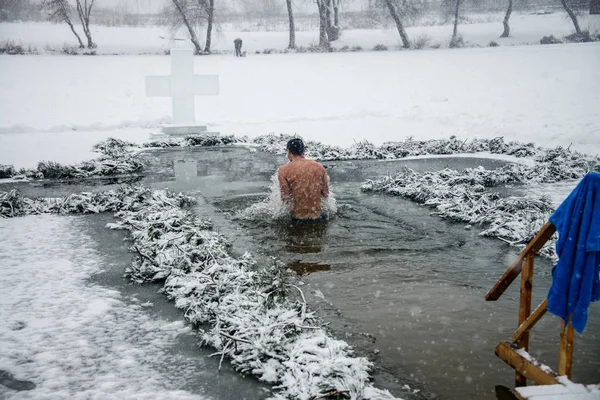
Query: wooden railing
x,y
527,367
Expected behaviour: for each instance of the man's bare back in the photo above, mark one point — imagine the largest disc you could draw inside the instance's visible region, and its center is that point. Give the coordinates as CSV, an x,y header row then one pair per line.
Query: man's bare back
x,y
303,183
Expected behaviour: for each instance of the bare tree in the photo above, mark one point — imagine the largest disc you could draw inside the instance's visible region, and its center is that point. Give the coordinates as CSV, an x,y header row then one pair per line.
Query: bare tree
x,y
333,29
61,11
395,14
336,12
210,13
572,16
595,7
323,38
455,39
185,13
85,11
292,44
506,32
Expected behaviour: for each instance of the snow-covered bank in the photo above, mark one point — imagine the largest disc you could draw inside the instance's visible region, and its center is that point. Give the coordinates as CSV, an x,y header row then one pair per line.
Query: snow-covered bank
x,y
71,338
525,29
543,94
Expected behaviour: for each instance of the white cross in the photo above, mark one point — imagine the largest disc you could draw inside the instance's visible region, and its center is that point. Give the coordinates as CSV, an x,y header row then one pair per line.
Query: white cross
x,y
182,85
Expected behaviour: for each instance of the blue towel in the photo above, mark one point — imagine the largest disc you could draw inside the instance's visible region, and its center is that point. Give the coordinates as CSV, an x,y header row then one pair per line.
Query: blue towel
x,y
576,276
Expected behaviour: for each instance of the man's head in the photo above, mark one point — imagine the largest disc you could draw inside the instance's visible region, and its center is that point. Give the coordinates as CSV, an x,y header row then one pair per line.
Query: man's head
x,y
295,148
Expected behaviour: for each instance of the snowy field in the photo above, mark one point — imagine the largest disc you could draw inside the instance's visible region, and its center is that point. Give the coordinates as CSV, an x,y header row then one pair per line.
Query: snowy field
x,y
545,94
73,339
525,29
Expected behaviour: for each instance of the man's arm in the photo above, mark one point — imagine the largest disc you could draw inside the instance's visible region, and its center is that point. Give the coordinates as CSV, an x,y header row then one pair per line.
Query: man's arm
x,y
325,185
284,187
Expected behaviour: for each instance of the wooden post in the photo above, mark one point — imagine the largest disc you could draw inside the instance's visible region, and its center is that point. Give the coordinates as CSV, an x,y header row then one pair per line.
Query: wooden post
x,y
565,356
525,308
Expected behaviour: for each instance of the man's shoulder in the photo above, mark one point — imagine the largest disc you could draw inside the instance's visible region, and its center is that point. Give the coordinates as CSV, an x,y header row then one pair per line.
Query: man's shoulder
x,y
317,164
284,169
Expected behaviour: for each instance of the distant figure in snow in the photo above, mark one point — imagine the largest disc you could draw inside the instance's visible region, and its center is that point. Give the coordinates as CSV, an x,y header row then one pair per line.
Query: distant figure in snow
x,y
237,43
303,184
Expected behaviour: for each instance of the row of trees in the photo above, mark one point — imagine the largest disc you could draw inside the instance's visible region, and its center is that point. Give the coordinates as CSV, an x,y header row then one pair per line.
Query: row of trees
x,y
191,14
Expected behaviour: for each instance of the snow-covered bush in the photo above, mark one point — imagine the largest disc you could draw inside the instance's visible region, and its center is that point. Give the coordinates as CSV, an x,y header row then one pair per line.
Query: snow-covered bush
x,y
462,197
12,49
583,37
7,171
550,40
420,42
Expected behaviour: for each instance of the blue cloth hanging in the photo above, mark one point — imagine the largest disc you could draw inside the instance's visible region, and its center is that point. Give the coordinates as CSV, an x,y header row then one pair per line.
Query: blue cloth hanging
x,y
576,276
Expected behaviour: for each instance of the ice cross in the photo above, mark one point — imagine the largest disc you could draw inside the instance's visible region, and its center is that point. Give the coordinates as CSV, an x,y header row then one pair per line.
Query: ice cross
x,y
182,85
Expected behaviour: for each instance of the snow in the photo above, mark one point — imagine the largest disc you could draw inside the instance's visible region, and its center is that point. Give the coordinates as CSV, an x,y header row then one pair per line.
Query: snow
x,y
74,339
544,94
563,391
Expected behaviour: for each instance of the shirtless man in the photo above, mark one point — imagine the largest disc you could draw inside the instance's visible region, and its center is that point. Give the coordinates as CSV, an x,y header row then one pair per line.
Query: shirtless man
x,y
303,183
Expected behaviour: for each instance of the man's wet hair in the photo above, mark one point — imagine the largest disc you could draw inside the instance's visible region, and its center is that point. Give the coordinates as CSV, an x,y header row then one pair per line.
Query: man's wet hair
x,y
296,147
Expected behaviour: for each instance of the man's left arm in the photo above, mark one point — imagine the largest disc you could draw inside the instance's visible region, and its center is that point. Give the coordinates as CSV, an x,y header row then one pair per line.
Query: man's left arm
x,y
284,187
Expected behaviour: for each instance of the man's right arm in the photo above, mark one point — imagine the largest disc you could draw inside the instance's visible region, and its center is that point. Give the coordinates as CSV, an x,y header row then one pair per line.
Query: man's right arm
x,y
325,184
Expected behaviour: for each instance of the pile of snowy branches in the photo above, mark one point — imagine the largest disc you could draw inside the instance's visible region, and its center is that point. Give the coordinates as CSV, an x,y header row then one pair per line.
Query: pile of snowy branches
x,y
462,197
13,205
116,158
193,141
247,313
550,165
365,150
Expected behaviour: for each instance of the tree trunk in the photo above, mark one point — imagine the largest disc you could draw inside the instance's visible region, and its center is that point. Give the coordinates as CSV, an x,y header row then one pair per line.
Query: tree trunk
x,y
81,45
595,7
506,32
292,44
455,31
336,13
64,12
396,17
84,11
572,15
189,27
211,12
328,13
323,39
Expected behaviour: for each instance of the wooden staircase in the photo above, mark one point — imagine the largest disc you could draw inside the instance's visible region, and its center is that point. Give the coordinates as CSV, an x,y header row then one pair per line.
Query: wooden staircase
x,y
515,352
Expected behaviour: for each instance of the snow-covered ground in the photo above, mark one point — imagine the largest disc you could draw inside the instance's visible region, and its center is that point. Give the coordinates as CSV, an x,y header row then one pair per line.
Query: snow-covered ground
x,y
74,339
55,107
525,29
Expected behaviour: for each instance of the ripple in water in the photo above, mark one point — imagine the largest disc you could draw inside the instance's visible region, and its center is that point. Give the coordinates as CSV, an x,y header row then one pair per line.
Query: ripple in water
x,y
272,208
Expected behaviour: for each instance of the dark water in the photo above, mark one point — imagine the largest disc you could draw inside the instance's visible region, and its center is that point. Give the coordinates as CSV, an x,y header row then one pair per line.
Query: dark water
x,y
405,288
